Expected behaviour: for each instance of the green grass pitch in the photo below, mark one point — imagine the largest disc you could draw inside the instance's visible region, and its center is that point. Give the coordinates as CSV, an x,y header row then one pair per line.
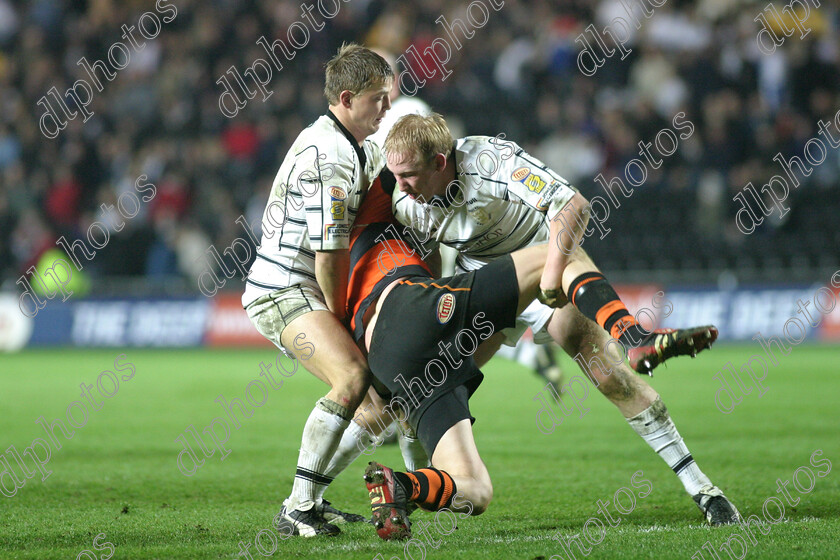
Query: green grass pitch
x,y
118,474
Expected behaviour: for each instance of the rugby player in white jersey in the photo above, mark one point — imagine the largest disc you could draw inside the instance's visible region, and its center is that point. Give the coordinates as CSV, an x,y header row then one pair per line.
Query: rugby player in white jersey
x,y
539,357
295,291
488,198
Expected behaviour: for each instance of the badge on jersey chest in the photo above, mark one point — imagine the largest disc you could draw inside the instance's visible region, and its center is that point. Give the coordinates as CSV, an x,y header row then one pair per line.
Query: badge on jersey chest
x,y
480,215
533,182
445,308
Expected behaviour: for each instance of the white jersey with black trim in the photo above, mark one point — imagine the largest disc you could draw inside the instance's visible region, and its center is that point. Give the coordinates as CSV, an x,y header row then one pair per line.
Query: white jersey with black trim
x,y
498,206
313,202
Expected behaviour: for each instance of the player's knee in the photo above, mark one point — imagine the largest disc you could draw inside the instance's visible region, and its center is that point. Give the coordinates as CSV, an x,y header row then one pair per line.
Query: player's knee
x,y
480,494
352,387
483,497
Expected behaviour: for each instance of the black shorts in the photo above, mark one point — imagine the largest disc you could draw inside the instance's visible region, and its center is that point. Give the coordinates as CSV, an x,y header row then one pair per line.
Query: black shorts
x,y
424,339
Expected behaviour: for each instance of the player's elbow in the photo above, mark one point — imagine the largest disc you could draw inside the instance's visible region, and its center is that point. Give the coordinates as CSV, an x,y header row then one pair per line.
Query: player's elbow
x,y
576,211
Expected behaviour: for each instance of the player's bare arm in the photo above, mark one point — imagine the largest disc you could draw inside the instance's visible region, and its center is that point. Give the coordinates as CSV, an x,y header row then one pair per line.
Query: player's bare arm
x,y
565,262
331,268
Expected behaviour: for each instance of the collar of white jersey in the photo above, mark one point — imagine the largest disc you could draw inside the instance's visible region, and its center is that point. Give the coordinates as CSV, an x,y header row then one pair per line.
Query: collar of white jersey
x,y
360,152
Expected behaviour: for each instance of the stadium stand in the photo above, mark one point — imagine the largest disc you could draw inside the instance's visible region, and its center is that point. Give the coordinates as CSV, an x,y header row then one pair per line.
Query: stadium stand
x,y
160,117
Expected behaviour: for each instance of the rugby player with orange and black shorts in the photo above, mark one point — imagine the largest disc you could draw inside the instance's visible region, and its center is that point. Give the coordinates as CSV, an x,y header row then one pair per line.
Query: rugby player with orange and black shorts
x,y
420,334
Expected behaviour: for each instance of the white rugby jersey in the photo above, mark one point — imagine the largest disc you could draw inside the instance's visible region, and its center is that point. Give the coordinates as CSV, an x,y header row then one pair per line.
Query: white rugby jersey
x,y
499,208
313,202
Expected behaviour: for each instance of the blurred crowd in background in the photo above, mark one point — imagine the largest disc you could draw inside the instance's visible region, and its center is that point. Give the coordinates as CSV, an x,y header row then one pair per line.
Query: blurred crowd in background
x,y
518,76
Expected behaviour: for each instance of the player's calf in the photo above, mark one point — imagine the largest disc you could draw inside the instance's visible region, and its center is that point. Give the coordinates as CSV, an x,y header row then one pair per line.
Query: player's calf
x,y
597,300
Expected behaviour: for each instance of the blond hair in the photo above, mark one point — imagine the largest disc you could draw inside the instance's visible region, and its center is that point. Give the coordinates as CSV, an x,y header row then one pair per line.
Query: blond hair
x,y
419,139
356,69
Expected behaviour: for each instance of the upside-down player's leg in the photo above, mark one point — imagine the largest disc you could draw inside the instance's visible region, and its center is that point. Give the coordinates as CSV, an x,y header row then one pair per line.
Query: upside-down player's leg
x,y
457,454
457,480
442,421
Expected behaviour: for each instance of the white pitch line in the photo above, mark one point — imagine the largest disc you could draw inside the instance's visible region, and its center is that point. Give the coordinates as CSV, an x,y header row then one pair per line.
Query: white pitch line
x,y
632,529
361,545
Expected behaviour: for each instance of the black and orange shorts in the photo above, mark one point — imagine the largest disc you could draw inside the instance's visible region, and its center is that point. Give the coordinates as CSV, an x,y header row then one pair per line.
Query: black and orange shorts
x,y
421,352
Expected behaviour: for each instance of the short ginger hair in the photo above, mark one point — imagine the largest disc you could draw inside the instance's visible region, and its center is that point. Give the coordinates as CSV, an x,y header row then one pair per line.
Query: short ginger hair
x,y
419,138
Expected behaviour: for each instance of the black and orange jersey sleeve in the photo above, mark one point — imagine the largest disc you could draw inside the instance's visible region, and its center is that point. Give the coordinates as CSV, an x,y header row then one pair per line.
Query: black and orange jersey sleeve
x,y
378,252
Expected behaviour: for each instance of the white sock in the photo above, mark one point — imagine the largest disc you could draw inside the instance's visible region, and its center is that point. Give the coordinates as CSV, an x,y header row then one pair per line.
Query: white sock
x,y
658,430
321,436
413,453
354,440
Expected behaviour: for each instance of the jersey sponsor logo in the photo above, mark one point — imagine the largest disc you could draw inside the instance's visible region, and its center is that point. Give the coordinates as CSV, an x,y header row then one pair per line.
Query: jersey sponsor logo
x,y
337,203
520,174
534,182
445,308
545,201
337,209
333,231
488,237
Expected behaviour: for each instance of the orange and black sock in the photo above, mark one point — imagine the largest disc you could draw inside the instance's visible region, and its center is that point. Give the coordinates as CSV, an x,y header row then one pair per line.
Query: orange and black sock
x,y
429,488
596,299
